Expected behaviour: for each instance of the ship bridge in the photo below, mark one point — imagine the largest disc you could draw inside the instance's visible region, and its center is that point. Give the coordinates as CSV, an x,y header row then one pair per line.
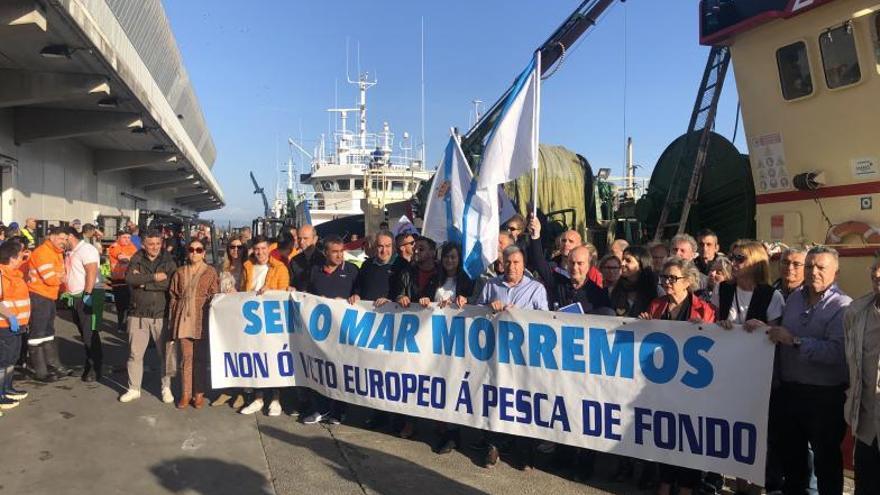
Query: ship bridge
x,y
98,116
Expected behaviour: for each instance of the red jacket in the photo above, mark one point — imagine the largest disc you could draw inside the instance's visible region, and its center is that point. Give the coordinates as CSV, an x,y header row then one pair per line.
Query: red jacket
x,y
699,309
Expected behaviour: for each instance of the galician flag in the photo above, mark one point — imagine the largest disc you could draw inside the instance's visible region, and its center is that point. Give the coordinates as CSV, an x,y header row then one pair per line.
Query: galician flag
x,y
511,150
444,214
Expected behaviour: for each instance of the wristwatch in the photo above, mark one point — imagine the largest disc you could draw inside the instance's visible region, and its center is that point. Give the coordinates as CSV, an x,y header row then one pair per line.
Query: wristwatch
x,y
796,341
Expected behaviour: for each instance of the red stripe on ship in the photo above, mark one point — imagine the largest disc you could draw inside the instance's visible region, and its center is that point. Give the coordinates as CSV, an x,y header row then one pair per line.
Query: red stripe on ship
x,y
822,192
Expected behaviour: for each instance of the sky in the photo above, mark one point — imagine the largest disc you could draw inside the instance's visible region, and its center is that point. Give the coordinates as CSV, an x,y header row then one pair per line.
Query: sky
x,y
266,70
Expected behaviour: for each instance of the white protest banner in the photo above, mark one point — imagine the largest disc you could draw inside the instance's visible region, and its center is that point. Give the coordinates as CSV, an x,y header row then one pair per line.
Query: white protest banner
x,y
673,392
242,359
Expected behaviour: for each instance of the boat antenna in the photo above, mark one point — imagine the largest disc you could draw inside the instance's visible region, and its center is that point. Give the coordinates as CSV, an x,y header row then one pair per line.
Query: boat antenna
x,y
424,155
627,154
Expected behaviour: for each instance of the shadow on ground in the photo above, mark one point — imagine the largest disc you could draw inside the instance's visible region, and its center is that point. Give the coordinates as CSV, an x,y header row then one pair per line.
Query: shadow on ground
x,y
374,470
209,477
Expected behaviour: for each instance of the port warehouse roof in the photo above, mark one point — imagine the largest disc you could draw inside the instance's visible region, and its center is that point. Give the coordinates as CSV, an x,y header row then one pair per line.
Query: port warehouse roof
x,y
109,74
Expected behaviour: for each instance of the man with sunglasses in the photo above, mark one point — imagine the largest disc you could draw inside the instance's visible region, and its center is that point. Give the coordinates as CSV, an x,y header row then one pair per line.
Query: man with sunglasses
x,y
149,275
813,374
404,245
791,271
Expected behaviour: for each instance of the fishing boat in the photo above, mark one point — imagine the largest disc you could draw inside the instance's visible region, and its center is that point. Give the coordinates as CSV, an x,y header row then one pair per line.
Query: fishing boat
x,y
361,172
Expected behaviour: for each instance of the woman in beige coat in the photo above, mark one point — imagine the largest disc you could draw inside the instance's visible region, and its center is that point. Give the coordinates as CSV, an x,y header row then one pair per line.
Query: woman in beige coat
x,y
192,287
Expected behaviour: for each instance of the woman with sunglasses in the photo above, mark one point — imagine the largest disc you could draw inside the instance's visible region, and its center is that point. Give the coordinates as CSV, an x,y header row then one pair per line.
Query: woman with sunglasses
x,y
232,269
679,278
749,297
749,300
231,273
192,287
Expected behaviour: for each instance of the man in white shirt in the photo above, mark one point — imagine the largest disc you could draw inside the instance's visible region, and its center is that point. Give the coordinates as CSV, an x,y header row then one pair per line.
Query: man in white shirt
x,y
85,283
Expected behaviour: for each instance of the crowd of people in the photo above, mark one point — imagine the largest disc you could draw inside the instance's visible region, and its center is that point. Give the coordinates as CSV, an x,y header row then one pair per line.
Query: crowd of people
x,y
827,345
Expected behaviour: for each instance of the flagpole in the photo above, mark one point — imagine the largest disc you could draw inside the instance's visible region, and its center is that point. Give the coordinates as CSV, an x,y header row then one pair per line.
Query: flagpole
x,y
536,141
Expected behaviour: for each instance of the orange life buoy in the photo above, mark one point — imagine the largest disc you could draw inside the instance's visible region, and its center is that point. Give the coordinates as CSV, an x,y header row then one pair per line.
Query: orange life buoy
x,y
871,235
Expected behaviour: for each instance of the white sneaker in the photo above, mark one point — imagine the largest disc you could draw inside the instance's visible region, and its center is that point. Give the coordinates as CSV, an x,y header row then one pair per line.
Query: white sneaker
x,y
313,418
130,395
253,407
274,408
167,396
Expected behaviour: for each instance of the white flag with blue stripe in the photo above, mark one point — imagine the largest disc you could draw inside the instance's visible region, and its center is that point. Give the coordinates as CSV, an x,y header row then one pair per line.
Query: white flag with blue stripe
x,y
481,225
511,150
444,214
512,145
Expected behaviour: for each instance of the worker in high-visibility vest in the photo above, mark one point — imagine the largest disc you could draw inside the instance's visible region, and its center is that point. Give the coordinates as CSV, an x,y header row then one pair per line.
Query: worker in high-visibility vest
x,y
45,276
120,253
15,311
29,232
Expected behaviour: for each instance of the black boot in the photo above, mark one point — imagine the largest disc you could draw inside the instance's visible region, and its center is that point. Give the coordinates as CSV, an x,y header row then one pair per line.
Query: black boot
x,y
23,361
52,360
37,356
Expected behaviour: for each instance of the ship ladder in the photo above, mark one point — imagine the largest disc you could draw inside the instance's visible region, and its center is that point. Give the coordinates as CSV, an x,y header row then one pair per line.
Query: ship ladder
x,y
701,124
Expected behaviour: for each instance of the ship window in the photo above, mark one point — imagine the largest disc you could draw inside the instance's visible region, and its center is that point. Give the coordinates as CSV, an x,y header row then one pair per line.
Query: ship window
x,y
344,184
359,184
839,57
378,185
328,185
794,71
397,186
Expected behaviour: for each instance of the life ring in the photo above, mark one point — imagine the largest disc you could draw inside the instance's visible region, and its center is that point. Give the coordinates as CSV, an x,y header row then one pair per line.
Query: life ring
x,y
871,235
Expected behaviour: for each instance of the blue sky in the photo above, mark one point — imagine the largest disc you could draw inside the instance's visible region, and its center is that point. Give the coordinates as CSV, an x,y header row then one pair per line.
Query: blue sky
x,y
265,70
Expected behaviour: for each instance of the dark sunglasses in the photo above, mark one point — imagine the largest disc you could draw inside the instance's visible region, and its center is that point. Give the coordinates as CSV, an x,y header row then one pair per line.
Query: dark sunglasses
x,y
739,258
670,279
234,246
513,229
196,250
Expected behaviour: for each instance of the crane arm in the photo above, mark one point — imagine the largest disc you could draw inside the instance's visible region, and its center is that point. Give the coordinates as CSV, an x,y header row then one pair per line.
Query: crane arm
x,y
259,190
552,50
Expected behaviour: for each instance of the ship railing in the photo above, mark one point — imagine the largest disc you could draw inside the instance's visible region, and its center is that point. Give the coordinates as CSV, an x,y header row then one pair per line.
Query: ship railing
x,y
362,161
371,141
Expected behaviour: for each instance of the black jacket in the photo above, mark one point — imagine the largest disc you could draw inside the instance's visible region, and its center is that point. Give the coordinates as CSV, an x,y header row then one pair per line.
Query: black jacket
x,y
149,299
405,283
592,298
301,265
374,281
